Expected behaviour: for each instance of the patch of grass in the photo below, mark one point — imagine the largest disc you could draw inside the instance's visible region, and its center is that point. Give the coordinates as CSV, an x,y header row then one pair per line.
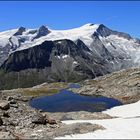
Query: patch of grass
x,y
39,92
46,89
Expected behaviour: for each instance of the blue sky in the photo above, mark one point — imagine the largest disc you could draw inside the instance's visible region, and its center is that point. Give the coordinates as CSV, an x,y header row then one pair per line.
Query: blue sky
x,y
122,16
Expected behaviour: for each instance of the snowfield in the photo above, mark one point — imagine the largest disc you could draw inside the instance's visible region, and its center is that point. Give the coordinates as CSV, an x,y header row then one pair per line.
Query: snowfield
x,y
126,126
84,33
125,111
118,46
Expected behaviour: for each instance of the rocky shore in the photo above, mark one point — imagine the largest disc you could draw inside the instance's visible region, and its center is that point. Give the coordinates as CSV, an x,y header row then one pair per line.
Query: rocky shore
x,y
123,85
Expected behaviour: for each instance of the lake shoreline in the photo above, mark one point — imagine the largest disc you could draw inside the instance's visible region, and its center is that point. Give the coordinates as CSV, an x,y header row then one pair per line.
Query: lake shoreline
x,y
21,121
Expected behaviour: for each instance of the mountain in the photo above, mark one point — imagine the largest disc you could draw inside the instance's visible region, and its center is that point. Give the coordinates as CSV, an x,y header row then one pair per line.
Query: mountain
x,y
65,55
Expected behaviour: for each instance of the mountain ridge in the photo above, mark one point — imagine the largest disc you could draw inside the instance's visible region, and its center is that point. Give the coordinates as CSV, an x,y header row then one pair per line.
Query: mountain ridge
x,y
81,53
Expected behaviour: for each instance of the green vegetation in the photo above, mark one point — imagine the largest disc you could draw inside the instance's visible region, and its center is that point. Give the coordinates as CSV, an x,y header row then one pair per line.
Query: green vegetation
x,y
39,92
44,89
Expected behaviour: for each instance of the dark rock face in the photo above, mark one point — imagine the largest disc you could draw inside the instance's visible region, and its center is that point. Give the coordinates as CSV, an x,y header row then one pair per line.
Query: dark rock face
x,y
39,56
137,40
104,31
32,31
36,57
20,31
82,45
61,60
1,122
43,30
100,48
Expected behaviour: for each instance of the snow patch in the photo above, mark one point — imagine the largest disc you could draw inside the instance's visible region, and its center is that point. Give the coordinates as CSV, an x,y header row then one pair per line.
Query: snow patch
x,y
125,127
84,33
75,62
130,110
65,56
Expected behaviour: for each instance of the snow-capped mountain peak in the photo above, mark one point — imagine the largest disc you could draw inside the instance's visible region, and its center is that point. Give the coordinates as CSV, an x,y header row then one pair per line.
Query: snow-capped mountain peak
x,y
118,50
20,31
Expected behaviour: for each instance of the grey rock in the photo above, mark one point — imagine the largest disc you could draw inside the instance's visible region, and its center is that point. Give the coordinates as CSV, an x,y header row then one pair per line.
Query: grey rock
x,y
9,98
14,105
4,104
105,31
43,30
80,115
13,101
38,119
77,128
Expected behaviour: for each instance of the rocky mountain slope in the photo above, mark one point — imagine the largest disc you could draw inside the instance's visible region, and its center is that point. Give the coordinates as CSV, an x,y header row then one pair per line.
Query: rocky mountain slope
x,y
64,55
123,85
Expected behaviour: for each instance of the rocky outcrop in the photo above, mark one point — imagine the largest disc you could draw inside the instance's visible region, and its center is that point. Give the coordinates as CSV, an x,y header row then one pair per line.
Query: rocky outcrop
x,y
77,128
42,31
123,85
36,57
38,119
78,115
20,31
104,32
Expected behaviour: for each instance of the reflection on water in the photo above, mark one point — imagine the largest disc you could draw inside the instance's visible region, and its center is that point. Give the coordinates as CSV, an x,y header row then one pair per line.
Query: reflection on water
x,y
74,86
67,101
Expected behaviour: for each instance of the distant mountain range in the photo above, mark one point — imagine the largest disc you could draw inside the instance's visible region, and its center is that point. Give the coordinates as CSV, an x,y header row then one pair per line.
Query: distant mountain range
x,y
33,56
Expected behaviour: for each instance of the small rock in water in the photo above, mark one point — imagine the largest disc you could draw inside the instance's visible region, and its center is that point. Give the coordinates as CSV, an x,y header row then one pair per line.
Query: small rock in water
x,y
4,104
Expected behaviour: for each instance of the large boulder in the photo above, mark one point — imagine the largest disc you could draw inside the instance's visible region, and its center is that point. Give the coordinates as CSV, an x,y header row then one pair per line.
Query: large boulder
x,y
38,119
4,104
76,128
